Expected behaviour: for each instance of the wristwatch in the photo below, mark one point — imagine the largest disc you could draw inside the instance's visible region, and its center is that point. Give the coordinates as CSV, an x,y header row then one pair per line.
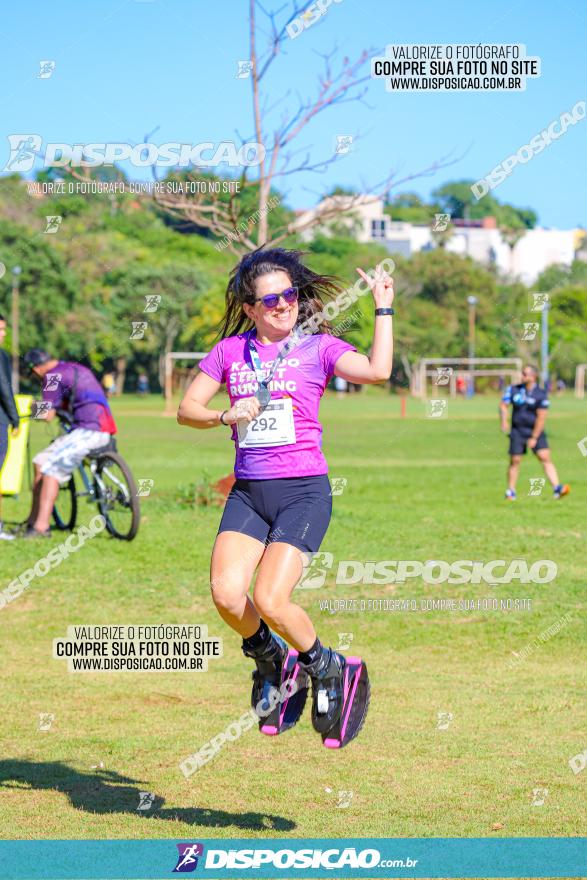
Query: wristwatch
x,y
222,414
384,312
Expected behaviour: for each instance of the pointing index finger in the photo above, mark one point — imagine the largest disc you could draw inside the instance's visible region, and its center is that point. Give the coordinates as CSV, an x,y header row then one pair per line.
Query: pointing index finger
x,y
364,276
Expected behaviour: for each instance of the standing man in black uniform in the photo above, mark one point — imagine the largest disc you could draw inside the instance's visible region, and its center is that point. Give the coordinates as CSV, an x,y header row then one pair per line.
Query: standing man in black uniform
x,y
530,404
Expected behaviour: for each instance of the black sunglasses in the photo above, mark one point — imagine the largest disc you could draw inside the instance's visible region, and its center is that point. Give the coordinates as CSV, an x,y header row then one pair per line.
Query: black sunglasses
x,y
270,301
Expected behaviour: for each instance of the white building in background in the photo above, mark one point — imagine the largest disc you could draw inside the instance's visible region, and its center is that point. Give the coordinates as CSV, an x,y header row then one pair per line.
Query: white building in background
x,y
479,239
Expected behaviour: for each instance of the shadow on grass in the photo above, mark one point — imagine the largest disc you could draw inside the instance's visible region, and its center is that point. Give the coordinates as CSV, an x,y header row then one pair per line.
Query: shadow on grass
x,y
105,792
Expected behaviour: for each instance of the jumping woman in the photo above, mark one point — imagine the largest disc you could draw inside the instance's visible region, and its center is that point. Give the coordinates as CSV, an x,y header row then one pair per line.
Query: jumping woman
x,y
276,370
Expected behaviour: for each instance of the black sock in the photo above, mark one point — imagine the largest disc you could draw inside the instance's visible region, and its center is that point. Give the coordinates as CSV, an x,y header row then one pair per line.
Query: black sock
x,y
309,657
259,639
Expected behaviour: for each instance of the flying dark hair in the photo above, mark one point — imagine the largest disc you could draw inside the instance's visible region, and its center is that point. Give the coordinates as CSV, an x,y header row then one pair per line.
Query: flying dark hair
x,y
313,288
2,318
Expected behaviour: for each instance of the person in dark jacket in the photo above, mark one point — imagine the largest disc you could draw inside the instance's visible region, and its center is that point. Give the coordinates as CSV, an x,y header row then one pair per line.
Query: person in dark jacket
x,y
8,411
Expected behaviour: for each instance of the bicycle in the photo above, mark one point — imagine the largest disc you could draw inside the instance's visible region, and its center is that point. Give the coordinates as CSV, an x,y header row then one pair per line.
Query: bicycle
x,y
107,481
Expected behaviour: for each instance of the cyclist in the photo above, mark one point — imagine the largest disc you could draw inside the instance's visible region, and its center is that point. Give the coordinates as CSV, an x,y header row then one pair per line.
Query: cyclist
x,y
72,387
279,509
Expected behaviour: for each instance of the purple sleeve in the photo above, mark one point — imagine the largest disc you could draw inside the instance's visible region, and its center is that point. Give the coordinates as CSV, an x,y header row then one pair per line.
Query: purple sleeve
x,y
213,363
331,348
55,391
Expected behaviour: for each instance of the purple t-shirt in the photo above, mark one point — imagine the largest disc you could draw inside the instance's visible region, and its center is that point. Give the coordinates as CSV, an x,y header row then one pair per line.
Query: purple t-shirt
x,y
73,387
302,375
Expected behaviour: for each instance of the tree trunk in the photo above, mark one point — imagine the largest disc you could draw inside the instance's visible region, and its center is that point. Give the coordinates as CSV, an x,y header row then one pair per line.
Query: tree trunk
x,y
120,374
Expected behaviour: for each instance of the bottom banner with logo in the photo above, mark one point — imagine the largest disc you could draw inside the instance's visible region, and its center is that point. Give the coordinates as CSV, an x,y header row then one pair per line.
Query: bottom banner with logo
x,y
353,857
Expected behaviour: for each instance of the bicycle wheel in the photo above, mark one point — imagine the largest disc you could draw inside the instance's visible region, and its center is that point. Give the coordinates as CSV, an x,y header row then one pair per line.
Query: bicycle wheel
x,y
65,507
117,498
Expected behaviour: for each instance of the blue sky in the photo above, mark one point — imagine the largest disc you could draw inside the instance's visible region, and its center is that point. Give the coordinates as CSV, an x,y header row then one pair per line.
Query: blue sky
x,y
123,68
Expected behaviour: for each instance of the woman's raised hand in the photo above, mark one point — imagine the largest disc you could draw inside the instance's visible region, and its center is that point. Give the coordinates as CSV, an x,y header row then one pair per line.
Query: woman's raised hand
x,y
381,285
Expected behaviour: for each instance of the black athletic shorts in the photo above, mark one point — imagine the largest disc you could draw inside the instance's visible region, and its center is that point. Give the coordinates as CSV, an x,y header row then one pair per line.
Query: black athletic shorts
x,y
518,442
295,510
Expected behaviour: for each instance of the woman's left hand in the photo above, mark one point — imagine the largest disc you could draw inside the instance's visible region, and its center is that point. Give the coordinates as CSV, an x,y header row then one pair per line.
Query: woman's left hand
x,y
381,285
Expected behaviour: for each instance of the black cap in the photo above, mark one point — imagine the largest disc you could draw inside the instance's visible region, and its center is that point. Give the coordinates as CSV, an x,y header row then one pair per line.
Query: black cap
x,y
35,357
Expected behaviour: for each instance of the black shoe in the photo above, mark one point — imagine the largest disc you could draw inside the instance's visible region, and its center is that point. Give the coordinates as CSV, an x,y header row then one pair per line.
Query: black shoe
x,y
269,661
280,686
327,690
31,532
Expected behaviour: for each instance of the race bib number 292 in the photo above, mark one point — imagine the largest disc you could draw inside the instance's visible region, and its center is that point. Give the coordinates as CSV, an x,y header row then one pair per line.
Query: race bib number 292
x,y
273,427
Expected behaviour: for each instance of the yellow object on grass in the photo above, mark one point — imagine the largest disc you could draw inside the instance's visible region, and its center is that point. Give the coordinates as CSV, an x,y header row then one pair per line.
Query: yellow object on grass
x,y
13,470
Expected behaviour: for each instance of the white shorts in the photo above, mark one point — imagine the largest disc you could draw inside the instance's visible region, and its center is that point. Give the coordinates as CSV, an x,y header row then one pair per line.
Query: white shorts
x,y
67,452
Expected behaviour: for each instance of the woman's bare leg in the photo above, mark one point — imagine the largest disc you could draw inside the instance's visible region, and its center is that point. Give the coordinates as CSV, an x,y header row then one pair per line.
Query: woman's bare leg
x,y
279,571
234,560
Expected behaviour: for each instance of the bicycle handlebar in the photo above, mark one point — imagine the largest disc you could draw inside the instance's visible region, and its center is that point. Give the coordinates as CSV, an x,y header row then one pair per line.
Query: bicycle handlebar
x,y
63,415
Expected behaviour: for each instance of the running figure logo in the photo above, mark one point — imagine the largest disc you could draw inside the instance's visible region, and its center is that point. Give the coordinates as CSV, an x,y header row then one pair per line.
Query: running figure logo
x,y
23,149
189,854
40,408
46,719
52,381
444,719
437,408
443,375
538,302
344,799
144,488
138,329
47,68
344,143
441,222
146,800
244,69
536,485
152,302
53,224
530,331
539,795
338,485
314,573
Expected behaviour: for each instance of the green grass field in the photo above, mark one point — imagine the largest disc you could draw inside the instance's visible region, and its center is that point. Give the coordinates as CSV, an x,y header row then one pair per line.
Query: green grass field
x,y
417,489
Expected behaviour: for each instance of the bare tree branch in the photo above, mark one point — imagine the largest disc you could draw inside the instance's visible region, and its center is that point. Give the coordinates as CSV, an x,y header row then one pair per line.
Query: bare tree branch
x,y
337,83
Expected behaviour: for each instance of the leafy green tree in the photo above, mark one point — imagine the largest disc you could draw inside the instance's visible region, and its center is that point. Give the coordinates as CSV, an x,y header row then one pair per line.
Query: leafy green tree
x,y
456,198
559,275
410,208
145,308
568,330
49,291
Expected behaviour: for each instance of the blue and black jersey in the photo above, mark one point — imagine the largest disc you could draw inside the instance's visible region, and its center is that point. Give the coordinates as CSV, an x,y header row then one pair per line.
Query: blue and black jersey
x,y
525,405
